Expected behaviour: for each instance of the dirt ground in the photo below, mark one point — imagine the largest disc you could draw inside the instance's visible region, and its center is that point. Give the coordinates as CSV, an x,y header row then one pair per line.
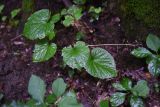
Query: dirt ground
x,y
16,64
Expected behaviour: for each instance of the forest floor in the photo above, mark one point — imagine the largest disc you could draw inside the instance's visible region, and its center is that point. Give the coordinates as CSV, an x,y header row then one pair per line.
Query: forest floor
x,y
16,64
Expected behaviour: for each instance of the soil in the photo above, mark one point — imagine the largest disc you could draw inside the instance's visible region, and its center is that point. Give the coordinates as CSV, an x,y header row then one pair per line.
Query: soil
x,y
16,64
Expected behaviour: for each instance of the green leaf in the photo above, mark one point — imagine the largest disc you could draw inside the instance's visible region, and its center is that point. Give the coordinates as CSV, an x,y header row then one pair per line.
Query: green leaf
x,y
31,103
76,56
37,88
101,64
59,87
141,52
44,51
104,103
124,85
69,100
1,8
50,99
38,25
153,42
79,2
117,99
75,11
95,10
14,13
1,96
55,18
136,102
154,67
141,89
68,20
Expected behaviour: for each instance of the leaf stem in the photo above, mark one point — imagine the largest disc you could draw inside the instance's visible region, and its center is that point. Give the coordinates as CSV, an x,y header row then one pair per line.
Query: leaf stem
x,y
114,45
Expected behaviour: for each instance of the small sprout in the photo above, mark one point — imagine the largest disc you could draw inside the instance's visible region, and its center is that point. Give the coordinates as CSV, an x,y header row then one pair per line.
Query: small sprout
x,y
1,8
15,12
94,12
152,58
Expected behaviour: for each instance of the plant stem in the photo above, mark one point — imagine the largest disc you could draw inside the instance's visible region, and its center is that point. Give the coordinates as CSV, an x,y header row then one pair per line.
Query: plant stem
x,y
114,45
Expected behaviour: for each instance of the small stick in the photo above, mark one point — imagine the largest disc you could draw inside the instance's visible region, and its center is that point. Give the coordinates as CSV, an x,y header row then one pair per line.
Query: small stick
x,y
114,45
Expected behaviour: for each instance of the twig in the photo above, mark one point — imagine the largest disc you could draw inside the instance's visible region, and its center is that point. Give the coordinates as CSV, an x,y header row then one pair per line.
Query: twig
x,y
114,45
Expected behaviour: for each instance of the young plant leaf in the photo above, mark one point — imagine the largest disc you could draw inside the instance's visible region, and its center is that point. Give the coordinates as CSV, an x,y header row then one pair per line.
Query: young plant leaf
x,y
141,89
59,87
37,88
55,18
101,64
153,42
154,67
117,99
104,103
124,85
44,51
136,102
69,100
68,20
1,8
76,56
1,96
14,13
141,52
38,25
50,99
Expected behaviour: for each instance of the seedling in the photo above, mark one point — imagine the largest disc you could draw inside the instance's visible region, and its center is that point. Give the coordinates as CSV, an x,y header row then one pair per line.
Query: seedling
x,y
13,21
40,27
94,12
59,97
71,15
126,91
153,56
97,62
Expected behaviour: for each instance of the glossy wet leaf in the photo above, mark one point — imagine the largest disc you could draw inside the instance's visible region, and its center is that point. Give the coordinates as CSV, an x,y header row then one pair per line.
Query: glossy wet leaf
x,y
124,85
136,102
69,100
104,103
154,67
15,12
101,64
37,88
38,25
117,99
153,42
44,51
141,89
59,87
141,52
76,56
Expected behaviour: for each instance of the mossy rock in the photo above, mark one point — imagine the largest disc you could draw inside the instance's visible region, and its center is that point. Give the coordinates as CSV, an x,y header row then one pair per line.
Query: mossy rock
x,y
147,11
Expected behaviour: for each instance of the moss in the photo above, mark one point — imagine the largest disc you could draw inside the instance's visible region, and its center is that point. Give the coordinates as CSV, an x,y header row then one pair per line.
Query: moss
x,y
147,11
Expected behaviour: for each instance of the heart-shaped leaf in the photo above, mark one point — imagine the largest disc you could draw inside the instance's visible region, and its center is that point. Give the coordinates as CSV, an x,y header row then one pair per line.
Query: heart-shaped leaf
x,y
37,88
141,52
38,25
101,64
117,99
59,87
154,67
153,42
141,89
44,51
136,102
76,56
